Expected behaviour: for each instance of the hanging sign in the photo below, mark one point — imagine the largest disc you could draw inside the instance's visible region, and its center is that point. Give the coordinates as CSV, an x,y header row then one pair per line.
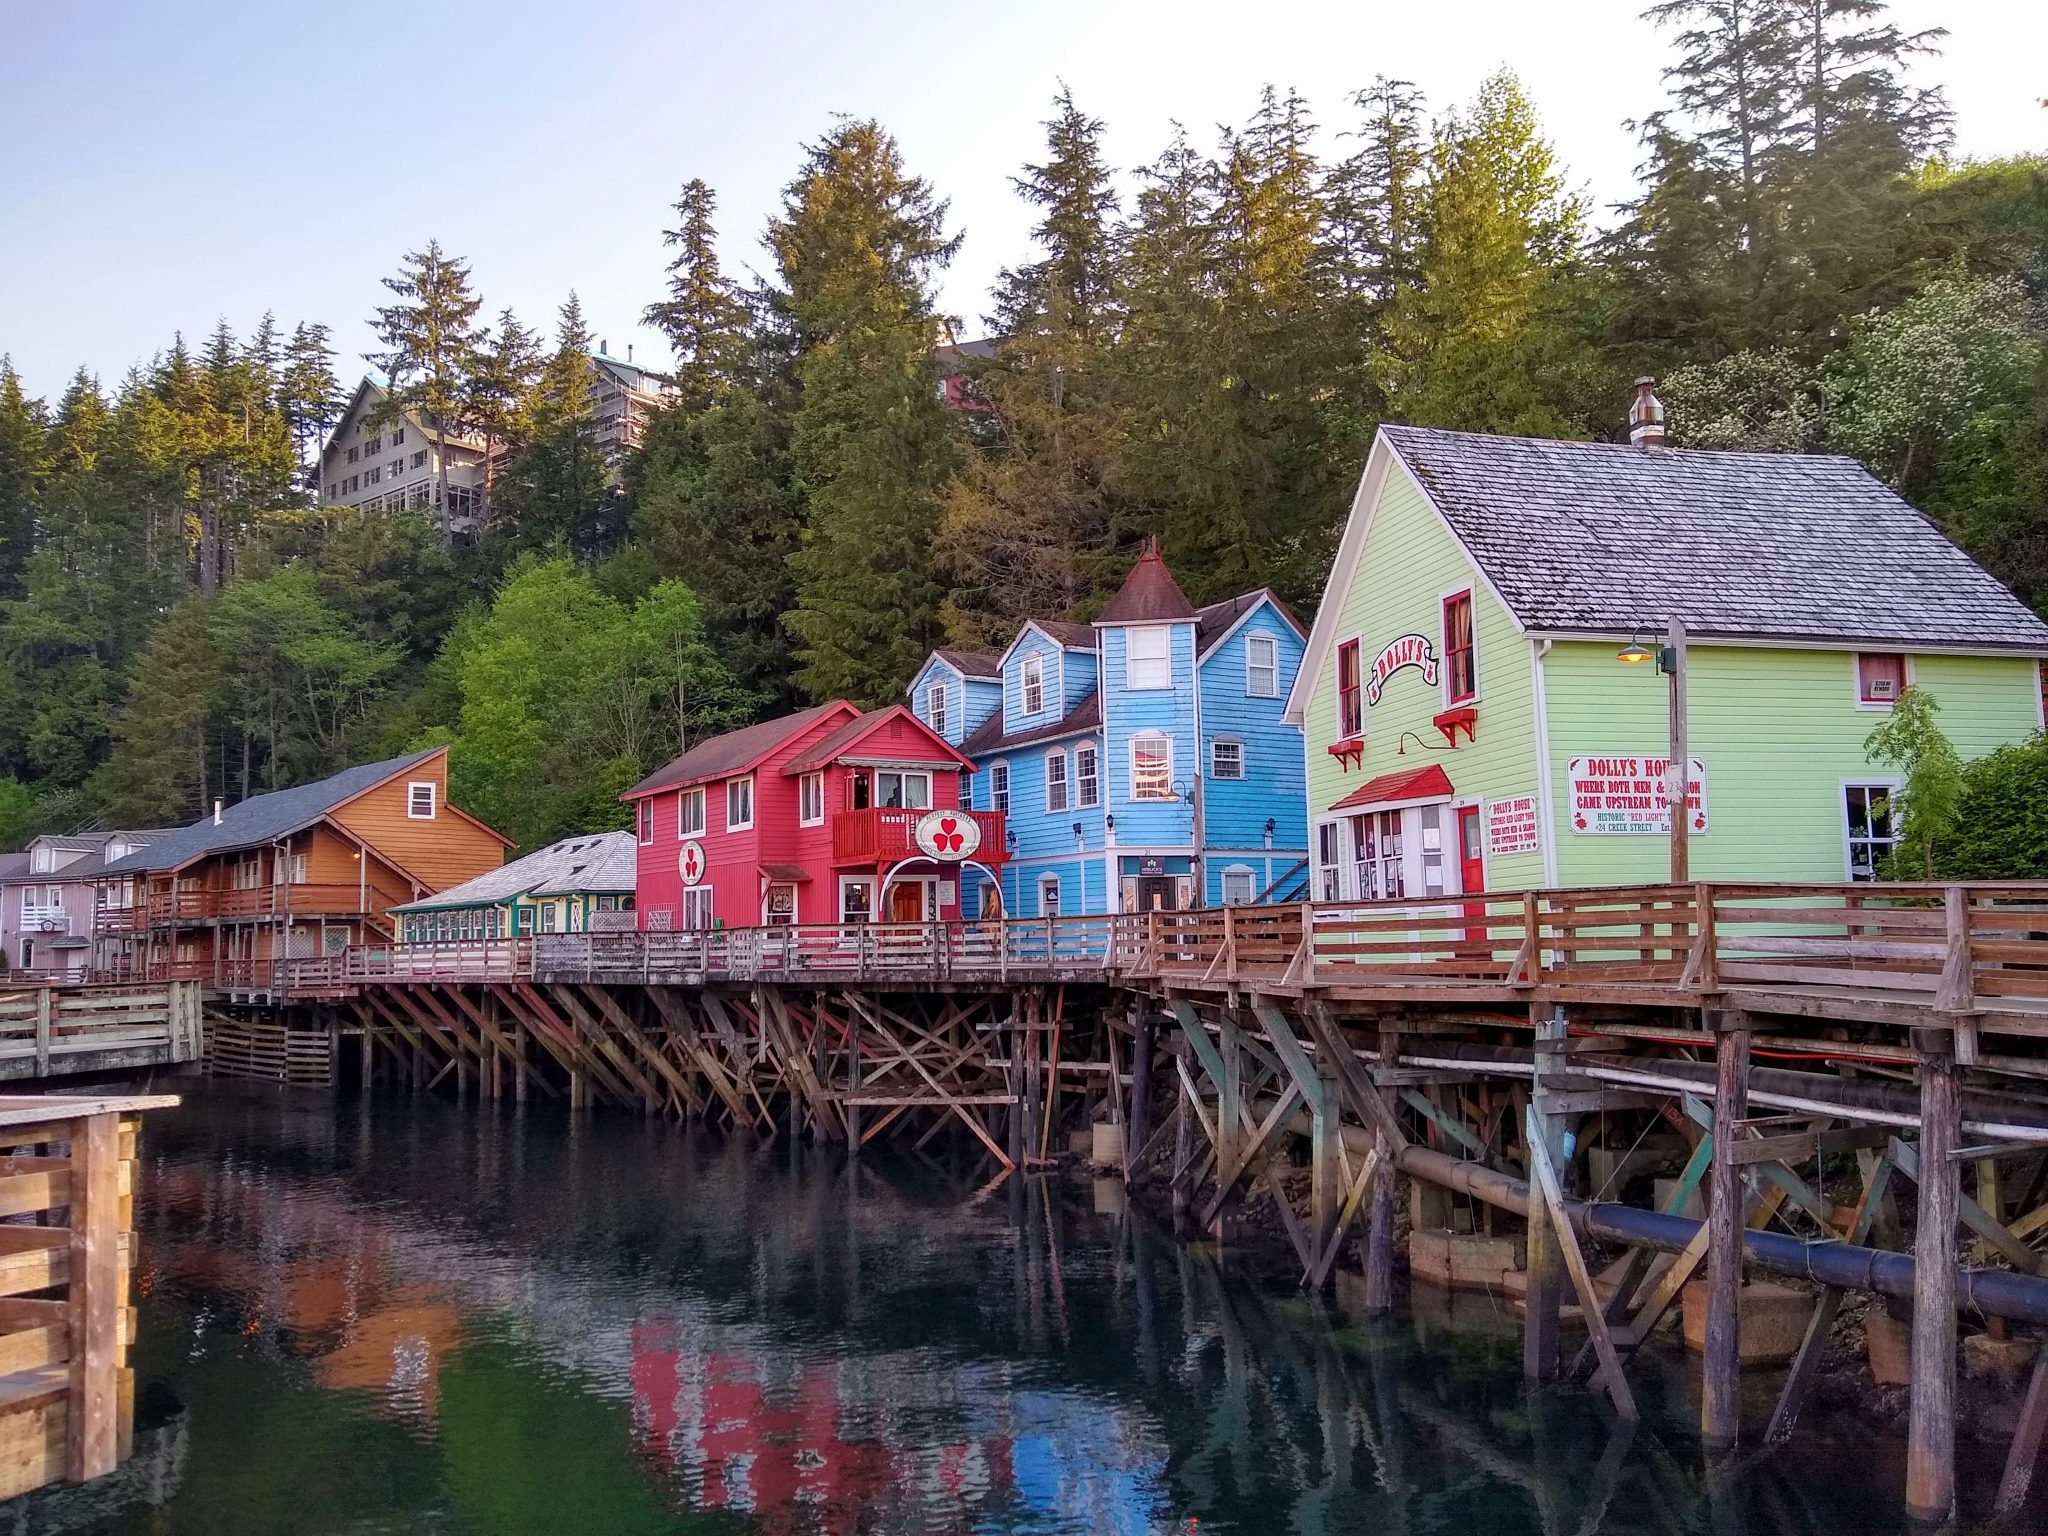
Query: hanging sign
x,y
1625,796
692,863
1408,651
948,836
1513,825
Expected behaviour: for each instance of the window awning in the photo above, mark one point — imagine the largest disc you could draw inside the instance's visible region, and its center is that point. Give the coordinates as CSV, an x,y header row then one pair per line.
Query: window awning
x,y
785,873
1405,784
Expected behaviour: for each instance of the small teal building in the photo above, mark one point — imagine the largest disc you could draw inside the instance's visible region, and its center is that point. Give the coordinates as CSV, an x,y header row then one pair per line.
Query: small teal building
x,y
1141,761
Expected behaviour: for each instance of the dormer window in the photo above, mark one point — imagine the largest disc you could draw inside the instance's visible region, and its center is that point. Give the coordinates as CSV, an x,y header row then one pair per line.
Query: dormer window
x,y
420,798
1148,657
1033,685
935,707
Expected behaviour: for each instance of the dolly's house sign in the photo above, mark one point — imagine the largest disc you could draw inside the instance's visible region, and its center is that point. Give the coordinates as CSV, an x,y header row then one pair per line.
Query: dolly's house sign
x,y
1623,794
691,864
948,836
1408,651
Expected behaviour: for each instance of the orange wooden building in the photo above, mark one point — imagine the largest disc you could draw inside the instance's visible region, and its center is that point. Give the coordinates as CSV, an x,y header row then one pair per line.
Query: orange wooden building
x,y
288,875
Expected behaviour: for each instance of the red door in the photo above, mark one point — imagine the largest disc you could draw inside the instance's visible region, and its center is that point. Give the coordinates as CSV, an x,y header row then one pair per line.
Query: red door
x,y
1471,868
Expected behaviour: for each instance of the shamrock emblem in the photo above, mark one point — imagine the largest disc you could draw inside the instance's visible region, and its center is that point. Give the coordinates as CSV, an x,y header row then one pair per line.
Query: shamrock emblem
x,y
949,838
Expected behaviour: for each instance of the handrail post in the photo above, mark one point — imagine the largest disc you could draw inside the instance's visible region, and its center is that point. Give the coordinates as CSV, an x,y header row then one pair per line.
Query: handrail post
x,y
1532,934
44,998
1956,992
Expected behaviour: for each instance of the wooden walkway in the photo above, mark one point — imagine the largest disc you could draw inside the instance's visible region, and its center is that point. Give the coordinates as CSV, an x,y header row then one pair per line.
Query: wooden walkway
x,y
50,1031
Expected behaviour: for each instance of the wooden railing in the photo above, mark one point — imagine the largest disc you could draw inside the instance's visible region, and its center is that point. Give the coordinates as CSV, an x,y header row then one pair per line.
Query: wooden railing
x,y
1960,948
198,904
66,1394
877,833
48,1031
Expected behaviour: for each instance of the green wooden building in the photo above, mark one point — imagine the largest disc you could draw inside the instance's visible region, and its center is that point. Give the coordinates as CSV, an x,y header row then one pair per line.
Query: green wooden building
x,y
1470,726
578,884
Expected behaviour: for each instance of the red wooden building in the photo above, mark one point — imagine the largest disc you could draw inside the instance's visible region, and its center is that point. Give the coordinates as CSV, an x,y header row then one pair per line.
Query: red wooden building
x,y
827,815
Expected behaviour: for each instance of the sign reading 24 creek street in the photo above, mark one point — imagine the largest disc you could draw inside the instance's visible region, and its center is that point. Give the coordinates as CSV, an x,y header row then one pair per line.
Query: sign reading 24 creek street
x,y
1409,651
1622,794
948,836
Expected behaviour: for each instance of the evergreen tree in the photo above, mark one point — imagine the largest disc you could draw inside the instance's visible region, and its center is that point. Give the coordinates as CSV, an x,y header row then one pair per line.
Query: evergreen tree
x,y
499,398
430,339
22,438
857,244
703,316
560,485
309,395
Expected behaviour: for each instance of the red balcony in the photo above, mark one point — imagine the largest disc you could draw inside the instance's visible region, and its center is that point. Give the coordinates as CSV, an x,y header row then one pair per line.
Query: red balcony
x,y
878,836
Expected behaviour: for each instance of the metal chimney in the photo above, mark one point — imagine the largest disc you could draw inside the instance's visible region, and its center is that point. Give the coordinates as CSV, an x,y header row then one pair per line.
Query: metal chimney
x,y
1646,415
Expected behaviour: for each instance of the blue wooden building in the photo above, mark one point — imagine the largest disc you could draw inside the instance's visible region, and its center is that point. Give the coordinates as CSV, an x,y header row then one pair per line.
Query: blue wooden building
x,y
1141,760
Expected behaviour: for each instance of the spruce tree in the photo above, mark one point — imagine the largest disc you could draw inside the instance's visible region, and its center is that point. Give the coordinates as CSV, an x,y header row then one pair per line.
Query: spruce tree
x,y
309,395
430,338
499,398
858,244
703,316
559,486
22,465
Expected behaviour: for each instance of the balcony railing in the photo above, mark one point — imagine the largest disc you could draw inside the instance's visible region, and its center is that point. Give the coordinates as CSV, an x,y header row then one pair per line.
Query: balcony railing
x,y
201,904
878,834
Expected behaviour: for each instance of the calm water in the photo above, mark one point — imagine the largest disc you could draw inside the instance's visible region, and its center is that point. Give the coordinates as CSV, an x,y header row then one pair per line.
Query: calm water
x,y
414,1317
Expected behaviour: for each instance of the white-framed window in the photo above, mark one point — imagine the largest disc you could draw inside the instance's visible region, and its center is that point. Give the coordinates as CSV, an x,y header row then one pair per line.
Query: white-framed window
x,y
1350,691
494,923
697,907
1056,787
1329,862
1880,678
897,790
935,707
420,796
1262,666
646,821
810,800
1048,895
1238,885
419,459
1226,758
999,786
1032,685
1870,822
1151,766
28,954
856,898
739,804
547,918
1087,775
1148,656
690,812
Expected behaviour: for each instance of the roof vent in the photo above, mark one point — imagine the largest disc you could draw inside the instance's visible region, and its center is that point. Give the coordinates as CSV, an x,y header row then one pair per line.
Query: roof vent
x,y
216,813
1646,415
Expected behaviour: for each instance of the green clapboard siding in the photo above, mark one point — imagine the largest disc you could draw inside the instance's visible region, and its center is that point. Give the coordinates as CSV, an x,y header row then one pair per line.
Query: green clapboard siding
x,y
1779,732
1410,561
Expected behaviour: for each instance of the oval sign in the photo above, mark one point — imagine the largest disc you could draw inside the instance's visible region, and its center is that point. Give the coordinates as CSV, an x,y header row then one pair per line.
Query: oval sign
x,y
692,863
948,836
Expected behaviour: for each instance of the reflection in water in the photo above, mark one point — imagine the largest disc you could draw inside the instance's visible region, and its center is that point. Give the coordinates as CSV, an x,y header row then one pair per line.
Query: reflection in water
x,y
411,1316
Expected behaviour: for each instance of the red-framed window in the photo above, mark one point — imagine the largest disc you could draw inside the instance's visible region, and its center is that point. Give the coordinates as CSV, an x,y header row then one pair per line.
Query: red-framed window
x,y
1880,677
1350,693
1461,671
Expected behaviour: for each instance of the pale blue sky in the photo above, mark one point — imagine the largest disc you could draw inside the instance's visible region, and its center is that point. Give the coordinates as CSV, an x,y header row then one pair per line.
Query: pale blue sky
x,y
171,163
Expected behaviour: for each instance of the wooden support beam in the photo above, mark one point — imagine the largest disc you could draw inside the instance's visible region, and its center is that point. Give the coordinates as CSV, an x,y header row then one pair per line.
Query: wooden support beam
x,y
1800,1378
1379,1224
1545,1290
1931,1422
1545,1185
1973,1215
2026,1443
1721,1366
93,1298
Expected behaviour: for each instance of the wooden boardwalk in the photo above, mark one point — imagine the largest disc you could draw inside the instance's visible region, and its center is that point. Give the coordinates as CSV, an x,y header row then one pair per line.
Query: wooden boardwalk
x,y
50,1031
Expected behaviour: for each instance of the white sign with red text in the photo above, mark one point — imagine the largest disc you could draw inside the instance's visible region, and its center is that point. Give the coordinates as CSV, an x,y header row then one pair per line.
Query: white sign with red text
x,y
1623,795
1409,651
1513,825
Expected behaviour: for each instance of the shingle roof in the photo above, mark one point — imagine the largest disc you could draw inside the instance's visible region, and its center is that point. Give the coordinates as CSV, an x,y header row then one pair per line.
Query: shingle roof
x,y
1149,593
597,861
13,866
831,745
973,663
1604,536
1075,637
719,757
1084,716
1213,622
262,818
86,868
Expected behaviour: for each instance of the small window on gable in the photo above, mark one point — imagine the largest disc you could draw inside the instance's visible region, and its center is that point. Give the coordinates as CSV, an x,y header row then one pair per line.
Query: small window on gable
x,y
419,799
1350,694
935,707
1461,673
1148,657
646,821
1880,677
1262,666
1033,684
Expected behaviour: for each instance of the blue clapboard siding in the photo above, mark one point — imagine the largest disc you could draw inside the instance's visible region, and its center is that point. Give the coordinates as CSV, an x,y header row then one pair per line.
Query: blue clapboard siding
x,y
969,700
1056,659
1275,781
1129,712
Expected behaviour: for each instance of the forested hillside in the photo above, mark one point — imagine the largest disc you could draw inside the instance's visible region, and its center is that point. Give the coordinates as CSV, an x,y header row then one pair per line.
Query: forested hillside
x,y
1803,266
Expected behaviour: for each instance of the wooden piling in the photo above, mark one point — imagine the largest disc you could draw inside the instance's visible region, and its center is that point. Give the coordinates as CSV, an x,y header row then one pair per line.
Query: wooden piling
x,y
1138,1122
94,1321
1545,1292
1931,1431
1721,1364
1379,1226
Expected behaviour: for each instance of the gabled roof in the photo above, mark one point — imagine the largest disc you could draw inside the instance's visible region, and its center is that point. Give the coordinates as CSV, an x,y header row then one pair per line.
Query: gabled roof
x,y
371,386
1215,623
837,744
1084,718
736,752
973,664
600,862
88,867
1804,547
1425,783
1149,594
265,818
13,866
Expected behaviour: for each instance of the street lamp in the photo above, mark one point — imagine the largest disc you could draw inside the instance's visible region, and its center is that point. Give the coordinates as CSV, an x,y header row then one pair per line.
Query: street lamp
x,y
1670,659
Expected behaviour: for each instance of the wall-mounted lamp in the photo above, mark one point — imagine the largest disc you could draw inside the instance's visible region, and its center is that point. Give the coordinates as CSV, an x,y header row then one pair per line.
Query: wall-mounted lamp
x,y
1272,826
1401,746
1080,841
1010,839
